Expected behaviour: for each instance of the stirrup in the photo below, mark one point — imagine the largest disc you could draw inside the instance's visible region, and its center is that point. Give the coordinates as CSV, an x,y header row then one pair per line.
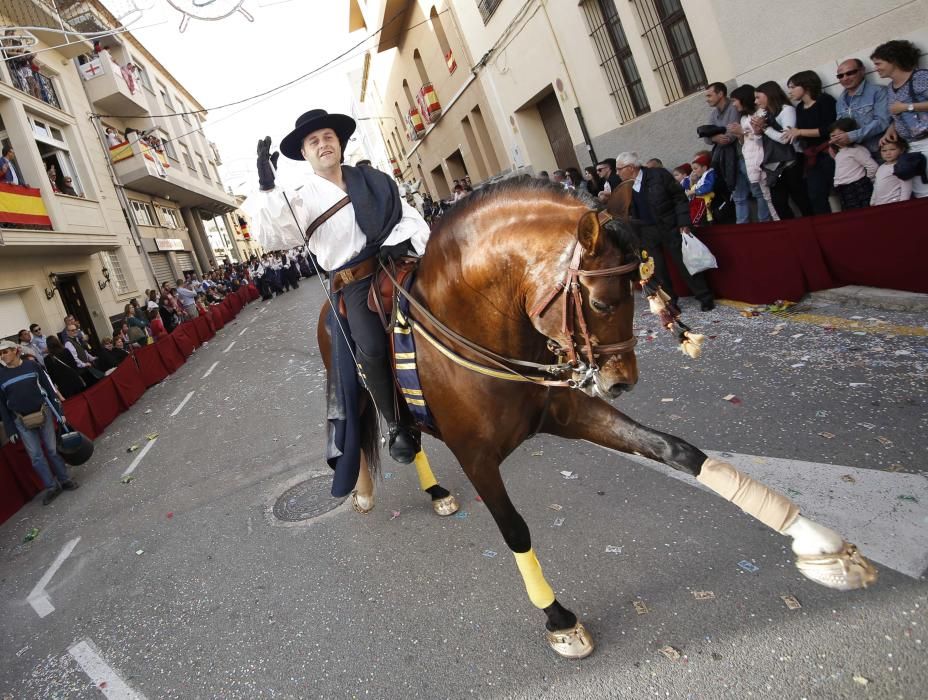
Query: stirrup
x,y
844,570
573,643
403,444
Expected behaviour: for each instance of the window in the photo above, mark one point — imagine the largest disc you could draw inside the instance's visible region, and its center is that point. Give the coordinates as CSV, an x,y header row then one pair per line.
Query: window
x,y
216,175
667,34
143,75
114,267
185,117
144,213
169,217
202,163
487,8
56,156
616,58
165,97
185,152
169,148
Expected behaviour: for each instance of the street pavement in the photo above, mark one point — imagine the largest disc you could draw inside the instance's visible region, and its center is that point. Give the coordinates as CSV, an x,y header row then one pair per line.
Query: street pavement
x,y
182,583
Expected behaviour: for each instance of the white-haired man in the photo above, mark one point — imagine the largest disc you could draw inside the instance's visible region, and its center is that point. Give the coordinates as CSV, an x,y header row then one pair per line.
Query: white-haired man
x,y
661,207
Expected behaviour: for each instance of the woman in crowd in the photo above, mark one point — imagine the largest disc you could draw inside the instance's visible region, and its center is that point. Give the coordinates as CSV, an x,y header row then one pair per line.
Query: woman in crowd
x,y
109,356
138,331
62,369
574,178
593,182
815,113
752,156
908,99
155,324
887,188
778,118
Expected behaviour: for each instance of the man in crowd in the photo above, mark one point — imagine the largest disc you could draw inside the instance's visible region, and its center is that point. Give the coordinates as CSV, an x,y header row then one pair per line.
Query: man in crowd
x,y
188,298
26,417
29,348
607,173
660,204
655,163
725,157
865,103
8,174
38,339
76,347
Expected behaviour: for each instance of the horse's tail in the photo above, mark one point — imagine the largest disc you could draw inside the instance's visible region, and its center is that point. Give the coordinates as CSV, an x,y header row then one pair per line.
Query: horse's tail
x,y
370,438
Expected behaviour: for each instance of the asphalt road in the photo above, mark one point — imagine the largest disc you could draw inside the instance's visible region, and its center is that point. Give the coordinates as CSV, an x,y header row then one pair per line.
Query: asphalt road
x,y
183,584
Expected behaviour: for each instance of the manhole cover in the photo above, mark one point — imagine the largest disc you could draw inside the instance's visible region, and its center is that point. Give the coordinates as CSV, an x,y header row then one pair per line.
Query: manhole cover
x,y
308,499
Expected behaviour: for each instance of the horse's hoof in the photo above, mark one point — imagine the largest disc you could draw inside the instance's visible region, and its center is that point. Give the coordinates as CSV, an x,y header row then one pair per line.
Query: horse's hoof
x,y
362,504
846,570
446,506
575,643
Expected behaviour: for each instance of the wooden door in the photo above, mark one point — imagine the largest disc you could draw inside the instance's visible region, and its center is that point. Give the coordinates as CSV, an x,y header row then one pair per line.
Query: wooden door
x,y
553,119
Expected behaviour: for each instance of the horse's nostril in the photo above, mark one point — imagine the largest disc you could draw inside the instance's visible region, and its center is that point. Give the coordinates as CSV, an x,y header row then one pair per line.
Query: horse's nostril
x,y
620,388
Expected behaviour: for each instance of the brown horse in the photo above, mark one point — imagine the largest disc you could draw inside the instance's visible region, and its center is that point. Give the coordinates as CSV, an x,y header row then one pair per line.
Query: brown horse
x,y
519,270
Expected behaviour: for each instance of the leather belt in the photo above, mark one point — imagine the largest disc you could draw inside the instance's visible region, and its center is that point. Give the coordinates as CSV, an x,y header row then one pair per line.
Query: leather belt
x,y
362,270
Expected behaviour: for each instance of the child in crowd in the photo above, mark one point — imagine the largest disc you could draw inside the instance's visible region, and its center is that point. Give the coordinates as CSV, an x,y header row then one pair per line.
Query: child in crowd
x,y
682,175
702,189
887,188
854,168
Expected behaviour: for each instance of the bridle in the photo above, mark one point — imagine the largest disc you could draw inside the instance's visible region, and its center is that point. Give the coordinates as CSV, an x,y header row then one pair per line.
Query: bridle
x,y
571,360
573,319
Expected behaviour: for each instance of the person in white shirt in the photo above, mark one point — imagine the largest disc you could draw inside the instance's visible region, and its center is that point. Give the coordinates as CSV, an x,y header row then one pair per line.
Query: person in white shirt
x,y
347,234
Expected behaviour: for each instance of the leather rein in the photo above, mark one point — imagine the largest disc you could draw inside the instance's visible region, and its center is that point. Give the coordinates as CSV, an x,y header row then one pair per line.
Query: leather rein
x,y
573,321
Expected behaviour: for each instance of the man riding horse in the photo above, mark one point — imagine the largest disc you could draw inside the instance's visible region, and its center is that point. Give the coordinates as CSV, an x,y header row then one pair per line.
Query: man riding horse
x,y
348,234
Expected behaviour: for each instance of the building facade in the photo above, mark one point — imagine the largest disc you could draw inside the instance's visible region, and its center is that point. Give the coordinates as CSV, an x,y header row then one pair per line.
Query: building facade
x,y
561,84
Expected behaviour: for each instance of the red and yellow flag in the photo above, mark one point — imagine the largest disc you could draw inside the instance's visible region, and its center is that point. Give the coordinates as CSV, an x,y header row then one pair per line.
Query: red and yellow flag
x,y
22,205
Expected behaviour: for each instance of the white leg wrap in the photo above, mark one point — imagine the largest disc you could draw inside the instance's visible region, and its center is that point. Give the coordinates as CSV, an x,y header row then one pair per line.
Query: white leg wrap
x,y
772,508
810,538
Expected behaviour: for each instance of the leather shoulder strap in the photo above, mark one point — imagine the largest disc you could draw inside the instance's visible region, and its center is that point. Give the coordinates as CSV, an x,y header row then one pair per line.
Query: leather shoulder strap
x,y
326,215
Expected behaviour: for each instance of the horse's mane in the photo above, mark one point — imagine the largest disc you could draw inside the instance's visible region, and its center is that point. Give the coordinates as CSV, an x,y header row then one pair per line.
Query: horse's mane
x,y
521,188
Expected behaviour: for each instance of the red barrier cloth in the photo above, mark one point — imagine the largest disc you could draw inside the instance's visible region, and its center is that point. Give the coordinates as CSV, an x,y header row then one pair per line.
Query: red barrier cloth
x,y
21,466
217,318
77,413
227,315
184,336
235,303
171,357
881,246
129,383
12,497
103,400
150,365
203,328
253,292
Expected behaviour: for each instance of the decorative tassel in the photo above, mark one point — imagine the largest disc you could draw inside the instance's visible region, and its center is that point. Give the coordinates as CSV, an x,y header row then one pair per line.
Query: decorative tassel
x,y
691,344
656,305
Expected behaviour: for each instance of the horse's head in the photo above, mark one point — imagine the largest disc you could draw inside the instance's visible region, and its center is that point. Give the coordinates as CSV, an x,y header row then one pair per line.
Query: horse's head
x,y
592,327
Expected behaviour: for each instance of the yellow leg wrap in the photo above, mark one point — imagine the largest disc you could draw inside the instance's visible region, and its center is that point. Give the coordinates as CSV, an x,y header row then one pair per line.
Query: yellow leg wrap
x,y
426,478
772,508
539,592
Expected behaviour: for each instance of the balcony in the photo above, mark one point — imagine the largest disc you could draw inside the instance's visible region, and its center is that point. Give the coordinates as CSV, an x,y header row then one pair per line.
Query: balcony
x,y
143,169
111,88
48,25
33,82
429,106
415,127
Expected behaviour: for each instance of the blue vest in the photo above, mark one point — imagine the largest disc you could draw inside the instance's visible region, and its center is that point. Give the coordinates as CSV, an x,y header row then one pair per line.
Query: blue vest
x,y
642,208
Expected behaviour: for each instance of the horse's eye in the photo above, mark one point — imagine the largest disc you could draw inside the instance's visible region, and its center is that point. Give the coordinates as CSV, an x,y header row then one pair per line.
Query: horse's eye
x,y
600,306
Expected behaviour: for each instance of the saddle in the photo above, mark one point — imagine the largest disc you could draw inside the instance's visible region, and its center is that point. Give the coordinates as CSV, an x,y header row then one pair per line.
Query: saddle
x,y
382,296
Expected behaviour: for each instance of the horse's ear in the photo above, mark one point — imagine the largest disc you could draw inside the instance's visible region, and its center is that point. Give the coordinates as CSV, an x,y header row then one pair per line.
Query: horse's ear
x,y
590,233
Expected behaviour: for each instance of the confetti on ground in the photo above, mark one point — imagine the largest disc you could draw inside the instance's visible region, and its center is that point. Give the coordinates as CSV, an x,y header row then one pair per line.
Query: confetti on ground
x,y
791,602
557,522
539,453
748,566
828,436
170,514
793,492
670,653
132,449
127,479
22,651
849,479
797,335
798,364
478,499
569,475
31,535
640,607
884,440
555,506
613,549
868,426
858,384
666,400
140,552
907,498
394,515
821,414
704,595
861,680
147,411
388,475
732,399
151,436
461,515
489,553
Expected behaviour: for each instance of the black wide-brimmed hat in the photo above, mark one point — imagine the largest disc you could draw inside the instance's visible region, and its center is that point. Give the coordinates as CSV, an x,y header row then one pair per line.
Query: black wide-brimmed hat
x,y
311,121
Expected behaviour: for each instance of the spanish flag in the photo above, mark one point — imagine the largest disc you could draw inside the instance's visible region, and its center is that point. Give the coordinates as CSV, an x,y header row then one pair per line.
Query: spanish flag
x,y
22,205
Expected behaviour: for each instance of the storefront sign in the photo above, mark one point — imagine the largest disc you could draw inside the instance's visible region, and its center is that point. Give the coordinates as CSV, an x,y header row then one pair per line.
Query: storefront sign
x,y
169,243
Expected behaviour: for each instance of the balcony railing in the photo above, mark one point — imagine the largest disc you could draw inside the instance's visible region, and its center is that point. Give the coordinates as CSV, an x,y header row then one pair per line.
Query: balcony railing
x,y
33,82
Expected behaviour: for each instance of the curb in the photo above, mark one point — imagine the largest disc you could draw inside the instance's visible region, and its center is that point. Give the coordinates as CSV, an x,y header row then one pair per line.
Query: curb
x,y
874,297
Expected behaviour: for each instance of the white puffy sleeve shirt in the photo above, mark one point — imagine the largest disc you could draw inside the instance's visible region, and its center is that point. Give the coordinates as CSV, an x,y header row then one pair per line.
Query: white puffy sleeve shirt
x,y
339,239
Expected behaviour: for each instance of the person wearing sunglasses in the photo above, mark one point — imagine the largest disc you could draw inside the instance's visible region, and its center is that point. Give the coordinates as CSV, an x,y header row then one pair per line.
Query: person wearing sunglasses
x,y
864,102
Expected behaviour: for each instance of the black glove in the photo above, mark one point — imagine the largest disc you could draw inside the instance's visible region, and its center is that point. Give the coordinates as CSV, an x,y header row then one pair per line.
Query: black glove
x,y
267,164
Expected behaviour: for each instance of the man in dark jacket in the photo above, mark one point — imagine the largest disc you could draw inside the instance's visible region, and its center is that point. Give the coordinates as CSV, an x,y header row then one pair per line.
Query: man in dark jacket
x,y
661,207
22,383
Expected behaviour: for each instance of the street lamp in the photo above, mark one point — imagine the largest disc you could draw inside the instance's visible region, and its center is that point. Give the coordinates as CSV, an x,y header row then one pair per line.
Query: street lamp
x,y
106,278
53,278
